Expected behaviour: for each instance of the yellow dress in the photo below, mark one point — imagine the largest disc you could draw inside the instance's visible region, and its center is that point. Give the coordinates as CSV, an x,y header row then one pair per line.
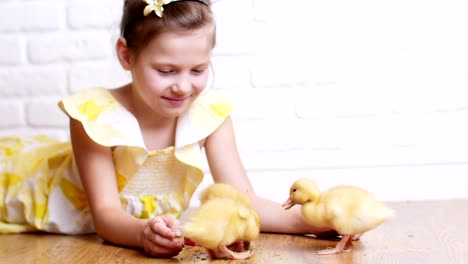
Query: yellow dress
x,y
40,189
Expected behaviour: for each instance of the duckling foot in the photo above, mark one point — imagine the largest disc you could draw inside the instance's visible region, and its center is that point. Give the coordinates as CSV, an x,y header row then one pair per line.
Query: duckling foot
x,y
225,252
357,237
240,246
345,245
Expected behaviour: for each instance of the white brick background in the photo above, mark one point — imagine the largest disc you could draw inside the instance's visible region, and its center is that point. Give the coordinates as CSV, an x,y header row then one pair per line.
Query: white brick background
x,y
370,93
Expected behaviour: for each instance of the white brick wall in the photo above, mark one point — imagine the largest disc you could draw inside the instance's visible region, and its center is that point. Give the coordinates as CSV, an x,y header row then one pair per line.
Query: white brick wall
x,y
360,92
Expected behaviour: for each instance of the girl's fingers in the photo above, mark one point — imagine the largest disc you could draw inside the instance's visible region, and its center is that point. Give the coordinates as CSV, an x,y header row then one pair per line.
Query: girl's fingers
x,y
173,223
160,234
157,243
165,226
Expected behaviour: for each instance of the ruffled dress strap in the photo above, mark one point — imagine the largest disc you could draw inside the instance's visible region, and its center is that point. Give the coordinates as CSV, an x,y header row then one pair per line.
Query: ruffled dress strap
x,y
203,117
104,119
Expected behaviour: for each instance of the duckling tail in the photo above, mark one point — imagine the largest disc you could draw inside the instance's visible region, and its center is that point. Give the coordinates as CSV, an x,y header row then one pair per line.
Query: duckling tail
x,y
386,213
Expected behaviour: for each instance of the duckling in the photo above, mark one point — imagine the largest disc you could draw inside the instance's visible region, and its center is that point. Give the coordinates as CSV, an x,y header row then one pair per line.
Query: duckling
x,y
223,190
222,222
214,199
349,210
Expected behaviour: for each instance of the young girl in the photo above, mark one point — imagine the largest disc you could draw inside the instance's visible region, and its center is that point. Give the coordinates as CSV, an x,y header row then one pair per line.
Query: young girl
x,y
135,157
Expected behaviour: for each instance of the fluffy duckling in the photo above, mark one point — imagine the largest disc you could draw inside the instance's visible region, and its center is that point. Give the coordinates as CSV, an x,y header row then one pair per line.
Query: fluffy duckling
x,y
348,210
223,190
224,223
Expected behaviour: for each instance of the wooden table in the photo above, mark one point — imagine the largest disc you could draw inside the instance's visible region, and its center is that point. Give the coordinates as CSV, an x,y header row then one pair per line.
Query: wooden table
x,y
421,232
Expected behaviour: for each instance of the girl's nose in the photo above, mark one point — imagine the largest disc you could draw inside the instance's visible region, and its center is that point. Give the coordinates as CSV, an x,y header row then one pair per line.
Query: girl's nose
x,y
182,85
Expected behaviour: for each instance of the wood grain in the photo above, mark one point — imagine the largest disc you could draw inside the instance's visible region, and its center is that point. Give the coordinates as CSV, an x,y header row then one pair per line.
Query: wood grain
x,y
421,232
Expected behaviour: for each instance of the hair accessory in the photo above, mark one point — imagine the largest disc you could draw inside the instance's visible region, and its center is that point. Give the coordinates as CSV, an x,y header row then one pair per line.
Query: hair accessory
x,y
158,6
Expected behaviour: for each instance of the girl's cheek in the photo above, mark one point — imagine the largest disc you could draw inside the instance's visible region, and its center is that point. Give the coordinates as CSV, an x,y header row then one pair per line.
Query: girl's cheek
x,y
157,82
200,87
203,83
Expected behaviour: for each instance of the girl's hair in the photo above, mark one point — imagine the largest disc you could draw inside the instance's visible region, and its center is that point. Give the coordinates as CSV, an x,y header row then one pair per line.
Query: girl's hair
x,y
179,16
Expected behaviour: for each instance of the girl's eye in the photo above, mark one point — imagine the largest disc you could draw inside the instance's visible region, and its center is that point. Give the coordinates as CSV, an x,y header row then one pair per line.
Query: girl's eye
x,y
198,71
164,71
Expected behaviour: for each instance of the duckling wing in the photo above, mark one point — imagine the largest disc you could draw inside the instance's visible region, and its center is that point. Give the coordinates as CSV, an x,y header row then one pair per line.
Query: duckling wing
x,y
244,225
221,221
354,211
206,226
209,237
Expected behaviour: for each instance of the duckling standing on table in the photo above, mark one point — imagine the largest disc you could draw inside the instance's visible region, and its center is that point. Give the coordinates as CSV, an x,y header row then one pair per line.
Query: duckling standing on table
x,y
348,210
224,220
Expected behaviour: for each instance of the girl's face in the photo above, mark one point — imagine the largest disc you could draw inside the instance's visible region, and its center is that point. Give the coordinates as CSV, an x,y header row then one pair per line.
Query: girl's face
x,y
170,73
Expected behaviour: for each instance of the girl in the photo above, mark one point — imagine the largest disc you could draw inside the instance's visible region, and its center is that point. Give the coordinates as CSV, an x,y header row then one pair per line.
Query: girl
x,y
135,155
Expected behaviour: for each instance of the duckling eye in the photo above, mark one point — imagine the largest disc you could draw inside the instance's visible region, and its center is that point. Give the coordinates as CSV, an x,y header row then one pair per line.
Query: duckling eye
x,y
294,190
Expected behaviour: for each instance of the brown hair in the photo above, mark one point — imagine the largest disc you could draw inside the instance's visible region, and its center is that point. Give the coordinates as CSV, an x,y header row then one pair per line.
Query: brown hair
x,y
178,16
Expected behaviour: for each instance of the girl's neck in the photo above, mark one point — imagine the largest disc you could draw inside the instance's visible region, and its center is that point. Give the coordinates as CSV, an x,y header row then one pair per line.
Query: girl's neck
x,y
158,131
146,116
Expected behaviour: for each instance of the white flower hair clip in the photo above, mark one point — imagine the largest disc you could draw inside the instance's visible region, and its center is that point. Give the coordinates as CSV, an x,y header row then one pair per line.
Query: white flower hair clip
x,y
158,6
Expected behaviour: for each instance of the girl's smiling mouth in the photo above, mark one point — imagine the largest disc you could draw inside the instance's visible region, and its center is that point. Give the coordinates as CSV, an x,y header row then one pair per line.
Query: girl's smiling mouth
x,y
176,101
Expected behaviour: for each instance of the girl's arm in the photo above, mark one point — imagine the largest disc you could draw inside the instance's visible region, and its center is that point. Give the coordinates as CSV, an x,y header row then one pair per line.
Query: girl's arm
x,y
226,166
111,222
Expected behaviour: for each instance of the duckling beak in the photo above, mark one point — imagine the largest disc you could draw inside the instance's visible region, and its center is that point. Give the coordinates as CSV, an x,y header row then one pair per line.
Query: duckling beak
x,y
288,204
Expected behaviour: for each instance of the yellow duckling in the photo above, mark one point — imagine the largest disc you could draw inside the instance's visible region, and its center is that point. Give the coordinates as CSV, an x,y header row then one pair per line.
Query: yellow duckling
x,y
223,190
348,210
224,220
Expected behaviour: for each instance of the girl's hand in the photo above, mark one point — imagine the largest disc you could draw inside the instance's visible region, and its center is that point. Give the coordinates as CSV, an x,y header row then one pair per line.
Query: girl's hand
x,y
160,236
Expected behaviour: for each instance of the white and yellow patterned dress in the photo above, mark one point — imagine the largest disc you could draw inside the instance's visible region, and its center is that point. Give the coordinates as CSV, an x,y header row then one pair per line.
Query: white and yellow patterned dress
x,y
40,189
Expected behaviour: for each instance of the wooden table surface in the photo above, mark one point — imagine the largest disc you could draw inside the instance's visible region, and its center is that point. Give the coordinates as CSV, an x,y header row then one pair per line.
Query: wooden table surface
x,y
421,232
